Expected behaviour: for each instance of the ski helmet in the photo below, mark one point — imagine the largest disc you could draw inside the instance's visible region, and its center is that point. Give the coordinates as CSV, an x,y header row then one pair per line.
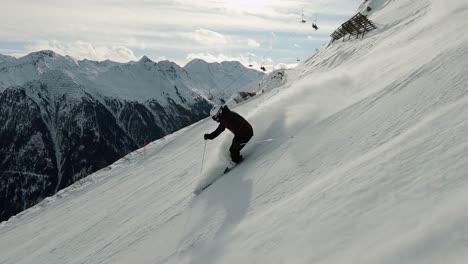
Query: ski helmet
x,y
216,112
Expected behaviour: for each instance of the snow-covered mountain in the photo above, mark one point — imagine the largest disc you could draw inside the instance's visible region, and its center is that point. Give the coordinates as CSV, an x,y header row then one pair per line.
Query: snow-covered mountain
x,y
221,80
62,119
147,78
359,157
4,58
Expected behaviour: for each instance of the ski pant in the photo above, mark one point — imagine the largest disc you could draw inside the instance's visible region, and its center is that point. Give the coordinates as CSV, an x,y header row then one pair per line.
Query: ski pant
x,y
238,143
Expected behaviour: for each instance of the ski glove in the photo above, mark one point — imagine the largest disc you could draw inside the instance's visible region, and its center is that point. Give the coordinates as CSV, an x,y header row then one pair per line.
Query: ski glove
x,y
206,136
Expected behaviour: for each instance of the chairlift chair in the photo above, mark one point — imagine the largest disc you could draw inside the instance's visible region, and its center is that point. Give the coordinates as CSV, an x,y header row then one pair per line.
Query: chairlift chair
x,y
314,22
303,21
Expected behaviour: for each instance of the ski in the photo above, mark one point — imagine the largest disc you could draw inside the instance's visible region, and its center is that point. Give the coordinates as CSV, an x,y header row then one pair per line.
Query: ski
x,y
199,190
226,170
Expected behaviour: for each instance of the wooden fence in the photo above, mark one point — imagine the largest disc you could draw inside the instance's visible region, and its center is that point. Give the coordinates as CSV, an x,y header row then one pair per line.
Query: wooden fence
x,y
357,25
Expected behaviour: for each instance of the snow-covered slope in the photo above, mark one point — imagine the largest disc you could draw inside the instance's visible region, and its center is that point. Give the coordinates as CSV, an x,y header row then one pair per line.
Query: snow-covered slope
x,y
367,164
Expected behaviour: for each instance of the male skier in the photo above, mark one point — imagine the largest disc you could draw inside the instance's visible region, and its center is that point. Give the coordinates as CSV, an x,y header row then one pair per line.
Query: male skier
x,y
241,129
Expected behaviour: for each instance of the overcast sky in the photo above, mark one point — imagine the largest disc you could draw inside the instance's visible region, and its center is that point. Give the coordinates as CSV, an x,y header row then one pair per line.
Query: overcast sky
x,y
259,32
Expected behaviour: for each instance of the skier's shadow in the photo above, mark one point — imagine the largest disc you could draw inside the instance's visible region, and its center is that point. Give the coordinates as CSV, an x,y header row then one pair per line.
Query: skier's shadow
x,y
233,194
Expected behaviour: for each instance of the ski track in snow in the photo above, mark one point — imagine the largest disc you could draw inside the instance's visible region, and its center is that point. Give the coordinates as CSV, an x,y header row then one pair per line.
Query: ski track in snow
x,y
368,165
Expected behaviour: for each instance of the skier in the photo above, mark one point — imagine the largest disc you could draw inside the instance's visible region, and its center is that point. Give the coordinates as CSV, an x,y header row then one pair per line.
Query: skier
x,y
241,129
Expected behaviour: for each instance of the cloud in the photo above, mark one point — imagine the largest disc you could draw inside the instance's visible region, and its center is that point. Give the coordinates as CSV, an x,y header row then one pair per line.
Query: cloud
x,y
209,57
118,28
252,43
118,53
208,37
108,20
160,58
84,50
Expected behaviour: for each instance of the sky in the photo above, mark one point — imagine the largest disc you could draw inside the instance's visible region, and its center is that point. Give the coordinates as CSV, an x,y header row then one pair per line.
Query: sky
x,y
255,32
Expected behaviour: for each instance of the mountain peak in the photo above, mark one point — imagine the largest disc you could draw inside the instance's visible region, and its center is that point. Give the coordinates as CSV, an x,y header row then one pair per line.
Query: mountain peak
x,y
196,62
45,53
145,59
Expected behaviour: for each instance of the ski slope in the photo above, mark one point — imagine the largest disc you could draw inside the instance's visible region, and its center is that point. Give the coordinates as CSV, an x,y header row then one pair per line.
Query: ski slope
x,y
368,163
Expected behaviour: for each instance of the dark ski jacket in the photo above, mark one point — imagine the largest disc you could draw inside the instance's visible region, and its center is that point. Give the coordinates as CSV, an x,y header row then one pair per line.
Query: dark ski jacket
x,y
241,129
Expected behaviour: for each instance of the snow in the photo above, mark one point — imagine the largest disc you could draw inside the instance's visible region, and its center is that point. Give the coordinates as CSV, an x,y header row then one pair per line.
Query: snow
x,y
367,163
133,81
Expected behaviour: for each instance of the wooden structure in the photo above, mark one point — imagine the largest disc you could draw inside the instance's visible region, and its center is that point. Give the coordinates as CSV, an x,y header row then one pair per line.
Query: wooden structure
x,y
357,25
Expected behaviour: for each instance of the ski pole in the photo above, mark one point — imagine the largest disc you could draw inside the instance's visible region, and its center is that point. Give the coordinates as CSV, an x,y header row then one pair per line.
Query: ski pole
x,y
203,159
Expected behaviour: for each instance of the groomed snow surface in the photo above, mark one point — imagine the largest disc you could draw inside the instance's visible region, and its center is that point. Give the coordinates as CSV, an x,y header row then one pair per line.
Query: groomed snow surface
x,y
368,164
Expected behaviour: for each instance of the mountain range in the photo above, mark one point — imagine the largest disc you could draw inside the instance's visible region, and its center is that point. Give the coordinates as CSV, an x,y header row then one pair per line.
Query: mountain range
x,y
62,119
